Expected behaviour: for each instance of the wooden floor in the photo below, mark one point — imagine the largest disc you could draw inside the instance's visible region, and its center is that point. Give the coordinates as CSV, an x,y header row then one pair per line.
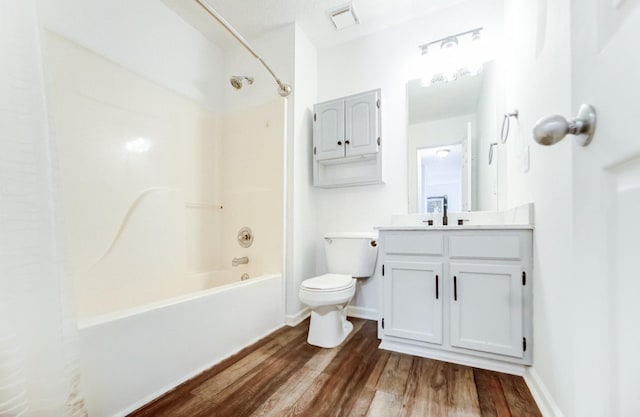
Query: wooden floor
x,y
282,375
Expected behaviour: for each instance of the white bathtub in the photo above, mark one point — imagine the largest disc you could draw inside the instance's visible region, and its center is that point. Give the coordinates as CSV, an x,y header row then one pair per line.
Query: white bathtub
x,y
130,358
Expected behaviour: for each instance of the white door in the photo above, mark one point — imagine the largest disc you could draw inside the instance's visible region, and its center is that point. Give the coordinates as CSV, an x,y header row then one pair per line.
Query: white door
x,y
413,300
606,177
487,308
328,130
362,124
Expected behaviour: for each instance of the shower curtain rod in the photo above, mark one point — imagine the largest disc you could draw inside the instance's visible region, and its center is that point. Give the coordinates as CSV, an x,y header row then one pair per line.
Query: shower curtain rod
x,y
283,89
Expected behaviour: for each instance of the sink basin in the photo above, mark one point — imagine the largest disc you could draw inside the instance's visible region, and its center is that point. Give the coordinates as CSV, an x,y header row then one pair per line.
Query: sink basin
x,y
516,218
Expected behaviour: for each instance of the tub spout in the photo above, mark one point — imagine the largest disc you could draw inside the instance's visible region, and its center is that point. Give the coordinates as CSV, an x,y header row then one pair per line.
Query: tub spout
x,y
239,261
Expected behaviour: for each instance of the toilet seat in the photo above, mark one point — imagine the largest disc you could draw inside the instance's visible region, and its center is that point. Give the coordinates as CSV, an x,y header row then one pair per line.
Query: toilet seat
x,y
328,283
327,290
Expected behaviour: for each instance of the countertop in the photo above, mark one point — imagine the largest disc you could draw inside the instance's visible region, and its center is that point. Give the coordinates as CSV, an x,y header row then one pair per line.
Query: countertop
x,y
426,227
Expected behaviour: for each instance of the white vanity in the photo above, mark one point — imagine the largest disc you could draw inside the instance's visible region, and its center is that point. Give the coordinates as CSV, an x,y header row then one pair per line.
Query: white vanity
x,y
457,293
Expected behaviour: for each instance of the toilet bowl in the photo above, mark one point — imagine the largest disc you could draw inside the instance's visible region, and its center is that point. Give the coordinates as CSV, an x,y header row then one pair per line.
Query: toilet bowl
x,y
327,295
349,256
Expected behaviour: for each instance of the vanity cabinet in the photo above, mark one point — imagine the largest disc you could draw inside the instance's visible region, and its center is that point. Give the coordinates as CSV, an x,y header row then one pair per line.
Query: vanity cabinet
x,y
457,294
346,141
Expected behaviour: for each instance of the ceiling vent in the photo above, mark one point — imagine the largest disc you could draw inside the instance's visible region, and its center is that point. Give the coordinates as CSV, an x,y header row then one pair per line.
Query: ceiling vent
x,y
344,16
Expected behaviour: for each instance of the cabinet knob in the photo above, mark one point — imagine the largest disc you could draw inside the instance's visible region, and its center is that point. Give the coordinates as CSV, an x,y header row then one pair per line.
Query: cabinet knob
x,y
346,142
339,142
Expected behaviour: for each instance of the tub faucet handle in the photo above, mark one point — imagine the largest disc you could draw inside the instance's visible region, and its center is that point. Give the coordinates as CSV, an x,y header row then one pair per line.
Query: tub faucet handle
x,y
245,237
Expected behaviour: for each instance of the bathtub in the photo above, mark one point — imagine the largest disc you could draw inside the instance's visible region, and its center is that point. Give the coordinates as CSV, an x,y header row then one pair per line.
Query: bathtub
x,y
129,358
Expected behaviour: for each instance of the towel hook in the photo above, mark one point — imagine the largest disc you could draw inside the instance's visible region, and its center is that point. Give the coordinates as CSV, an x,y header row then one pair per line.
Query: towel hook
x,y
491,146
506,124
552,129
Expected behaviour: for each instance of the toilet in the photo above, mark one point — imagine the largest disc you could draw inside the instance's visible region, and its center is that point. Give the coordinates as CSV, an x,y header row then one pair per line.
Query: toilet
x,y
349,256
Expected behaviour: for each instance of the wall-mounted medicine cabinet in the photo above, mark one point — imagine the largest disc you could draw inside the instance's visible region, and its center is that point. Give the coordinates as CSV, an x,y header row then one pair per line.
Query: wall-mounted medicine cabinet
x,y
346,141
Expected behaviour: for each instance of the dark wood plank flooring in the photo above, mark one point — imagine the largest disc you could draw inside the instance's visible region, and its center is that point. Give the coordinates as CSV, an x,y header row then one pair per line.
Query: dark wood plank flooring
x,y
283,376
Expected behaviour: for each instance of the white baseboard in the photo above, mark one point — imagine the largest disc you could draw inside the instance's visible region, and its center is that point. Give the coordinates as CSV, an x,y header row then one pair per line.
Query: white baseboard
x,y
352,311
362,313
454,357
541,394
295,319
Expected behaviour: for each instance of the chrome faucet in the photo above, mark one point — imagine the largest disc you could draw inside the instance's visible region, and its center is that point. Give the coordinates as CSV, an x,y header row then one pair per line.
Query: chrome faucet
x,y
445,219
239,261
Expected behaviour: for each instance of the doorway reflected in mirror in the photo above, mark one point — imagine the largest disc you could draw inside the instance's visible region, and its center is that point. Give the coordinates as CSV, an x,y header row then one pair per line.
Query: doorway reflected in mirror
x,y
440,174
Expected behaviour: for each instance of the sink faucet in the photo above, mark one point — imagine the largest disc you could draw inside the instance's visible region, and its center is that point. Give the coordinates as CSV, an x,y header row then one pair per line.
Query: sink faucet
x,y
238,261
445,219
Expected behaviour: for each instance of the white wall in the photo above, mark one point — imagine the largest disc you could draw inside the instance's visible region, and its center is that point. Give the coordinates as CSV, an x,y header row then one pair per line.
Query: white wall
x,y
301,213
537,70
385,60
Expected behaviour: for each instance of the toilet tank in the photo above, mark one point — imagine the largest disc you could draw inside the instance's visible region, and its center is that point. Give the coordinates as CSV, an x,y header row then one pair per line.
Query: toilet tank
x,y
351,253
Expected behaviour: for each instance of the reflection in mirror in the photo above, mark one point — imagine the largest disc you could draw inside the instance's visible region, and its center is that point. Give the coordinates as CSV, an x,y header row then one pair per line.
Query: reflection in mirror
x,y
439,174
451,129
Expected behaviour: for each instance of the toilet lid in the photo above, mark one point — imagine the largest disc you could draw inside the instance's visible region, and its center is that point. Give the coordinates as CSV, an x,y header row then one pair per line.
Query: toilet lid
x,y
328,282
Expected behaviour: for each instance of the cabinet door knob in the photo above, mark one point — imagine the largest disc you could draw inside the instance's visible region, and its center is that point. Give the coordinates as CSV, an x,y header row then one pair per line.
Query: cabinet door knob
x,y
346,142
339,142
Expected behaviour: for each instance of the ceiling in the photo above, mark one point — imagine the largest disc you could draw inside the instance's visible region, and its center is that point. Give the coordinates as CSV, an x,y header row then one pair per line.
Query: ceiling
x,y
254,17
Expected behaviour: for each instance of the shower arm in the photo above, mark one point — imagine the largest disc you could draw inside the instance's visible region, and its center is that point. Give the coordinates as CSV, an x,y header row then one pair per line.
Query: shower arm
x,y
283,89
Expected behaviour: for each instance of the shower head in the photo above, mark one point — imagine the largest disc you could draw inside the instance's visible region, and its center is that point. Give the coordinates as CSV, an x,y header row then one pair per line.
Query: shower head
x,y
236,81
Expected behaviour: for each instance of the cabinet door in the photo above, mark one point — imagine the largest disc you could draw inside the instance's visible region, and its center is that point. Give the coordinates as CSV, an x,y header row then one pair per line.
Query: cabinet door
x,y
362,122
328,130
413,300
487,308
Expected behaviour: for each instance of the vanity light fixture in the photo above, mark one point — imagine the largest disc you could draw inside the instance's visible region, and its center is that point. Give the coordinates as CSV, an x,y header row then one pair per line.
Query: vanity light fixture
x,y
472,35
442,153
138,145
452,57
343,16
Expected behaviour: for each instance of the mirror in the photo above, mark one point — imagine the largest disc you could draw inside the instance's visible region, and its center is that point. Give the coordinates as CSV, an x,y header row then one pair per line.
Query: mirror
x,y
452,132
